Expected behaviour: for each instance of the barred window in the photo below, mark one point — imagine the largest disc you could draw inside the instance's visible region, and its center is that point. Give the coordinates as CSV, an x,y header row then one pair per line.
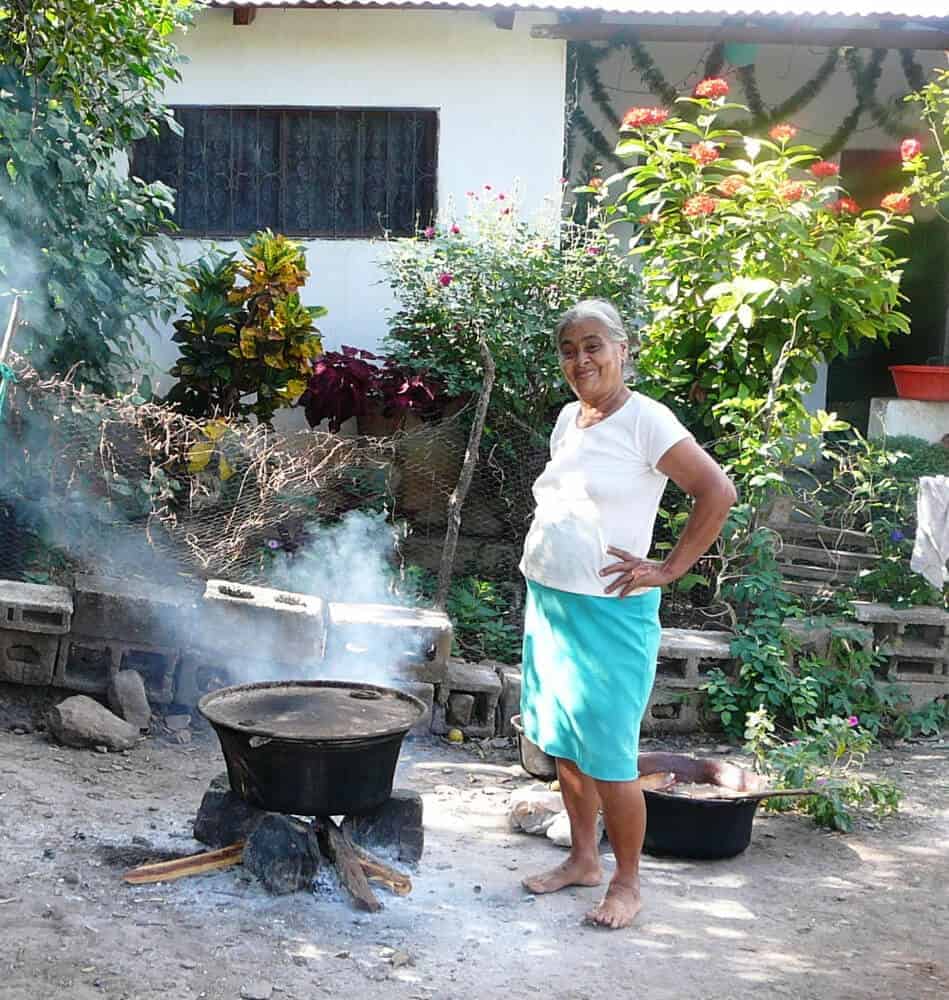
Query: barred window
x,y
330,172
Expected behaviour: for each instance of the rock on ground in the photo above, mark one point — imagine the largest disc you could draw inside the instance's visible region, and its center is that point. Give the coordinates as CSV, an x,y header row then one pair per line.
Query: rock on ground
x,y
224,817
396,825
81,721
278,852
127,698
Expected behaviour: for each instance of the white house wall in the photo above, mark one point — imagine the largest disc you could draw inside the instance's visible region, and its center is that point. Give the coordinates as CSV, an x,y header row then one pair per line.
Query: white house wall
x,y
499,95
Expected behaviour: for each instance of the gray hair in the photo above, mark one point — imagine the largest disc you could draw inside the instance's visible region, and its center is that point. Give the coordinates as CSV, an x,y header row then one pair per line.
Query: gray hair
x,y
606,314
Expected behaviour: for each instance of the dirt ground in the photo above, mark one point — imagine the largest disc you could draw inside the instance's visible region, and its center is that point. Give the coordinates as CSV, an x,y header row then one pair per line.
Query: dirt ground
x,y
802,913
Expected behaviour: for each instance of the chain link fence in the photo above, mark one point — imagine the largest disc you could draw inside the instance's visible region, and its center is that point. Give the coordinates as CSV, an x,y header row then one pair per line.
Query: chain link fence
x,y
129,488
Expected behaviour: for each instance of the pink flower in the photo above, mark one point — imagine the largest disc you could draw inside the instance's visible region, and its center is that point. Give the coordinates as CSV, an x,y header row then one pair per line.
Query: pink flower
x,y
429,232
732,184
506,211
487,187
842,205
714,86
471,194
455,229
642,117
853,722
910,149
704,153
700,204
502,196
898,203
593,251
824,168
783,133
445,279
791,191
564,180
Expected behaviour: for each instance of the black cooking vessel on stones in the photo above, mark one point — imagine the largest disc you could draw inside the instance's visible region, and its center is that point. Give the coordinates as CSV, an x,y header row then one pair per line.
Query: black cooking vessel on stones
x,y
706,829
311,748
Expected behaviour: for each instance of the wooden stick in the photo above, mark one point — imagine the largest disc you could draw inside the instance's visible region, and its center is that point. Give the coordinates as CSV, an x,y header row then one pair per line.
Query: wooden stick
x,y
339,849
193,864
377,870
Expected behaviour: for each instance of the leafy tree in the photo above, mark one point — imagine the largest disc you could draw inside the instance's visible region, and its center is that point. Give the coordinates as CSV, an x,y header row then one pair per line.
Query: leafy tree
x,y
80,81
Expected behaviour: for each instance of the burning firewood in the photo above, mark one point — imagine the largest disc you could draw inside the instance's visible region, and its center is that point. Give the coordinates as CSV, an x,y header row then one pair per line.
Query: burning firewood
x,y
340,850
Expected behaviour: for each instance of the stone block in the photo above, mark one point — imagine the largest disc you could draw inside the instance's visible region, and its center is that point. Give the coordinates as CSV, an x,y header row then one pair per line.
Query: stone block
x,y
425,694
922,692
397,826
28,657
223,816
509,704
278,852
34,607
261,623
672,710
481,681
82,722
133,611
891,417
460,708
874,614
366,639
86,663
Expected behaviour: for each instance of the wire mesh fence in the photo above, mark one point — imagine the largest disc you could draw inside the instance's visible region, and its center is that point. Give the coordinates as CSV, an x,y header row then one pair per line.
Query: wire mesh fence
x,y
125,487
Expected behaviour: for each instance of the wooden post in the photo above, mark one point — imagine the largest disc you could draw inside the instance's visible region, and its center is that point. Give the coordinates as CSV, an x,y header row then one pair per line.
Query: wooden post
x,y
458,494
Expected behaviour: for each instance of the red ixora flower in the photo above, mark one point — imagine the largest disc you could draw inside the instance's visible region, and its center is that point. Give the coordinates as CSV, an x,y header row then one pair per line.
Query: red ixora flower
x,y
791,191
704,152
842,205
898,203
700,204
642,117
732,184
783,133
445,278
910,149
824,168
455,229
713,86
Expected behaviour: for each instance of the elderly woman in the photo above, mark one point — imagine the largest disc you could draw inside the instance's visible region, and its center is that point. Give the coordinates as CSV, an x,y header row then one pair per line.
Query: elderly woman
x,y
591,629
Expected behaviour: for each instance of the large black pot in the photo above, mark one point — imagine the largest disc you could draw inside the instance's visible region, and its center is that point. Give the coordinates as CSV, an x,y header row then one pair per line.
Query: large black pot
x,y
681,827
311,748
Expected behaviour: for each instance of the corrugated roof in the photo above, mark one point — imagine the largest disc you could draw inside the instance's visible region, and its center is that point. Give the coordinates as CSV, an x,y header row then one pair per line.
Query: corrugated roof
x,y
910,9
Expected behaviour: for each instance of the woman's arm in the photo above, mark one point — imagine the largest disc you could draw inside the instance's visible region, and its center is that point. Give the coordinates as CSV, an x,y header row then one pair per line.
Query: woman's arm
x,y
695,472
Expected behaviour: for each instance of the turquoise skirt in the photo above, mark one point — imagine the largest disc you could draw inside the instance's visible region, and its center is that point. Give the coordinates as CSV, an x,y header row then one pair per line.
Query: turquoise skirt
x,y
588,668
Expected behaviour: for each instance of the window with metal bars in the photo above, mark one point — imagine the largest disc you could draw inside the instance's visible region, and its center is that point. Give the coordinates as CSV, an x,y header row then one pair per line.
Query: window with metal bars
x,y
327,172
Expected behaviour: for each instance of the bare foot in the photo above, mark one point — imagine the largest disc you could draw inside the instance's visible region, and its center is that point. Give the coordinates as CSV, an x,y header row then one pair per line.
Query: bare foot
x,y
572,872
618,907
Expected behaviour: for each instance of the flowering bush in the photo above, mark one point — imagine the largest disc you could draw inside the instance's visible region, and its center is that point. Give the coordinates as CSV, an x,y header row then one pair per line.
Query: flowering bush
x,y
756,268
929,172
491,271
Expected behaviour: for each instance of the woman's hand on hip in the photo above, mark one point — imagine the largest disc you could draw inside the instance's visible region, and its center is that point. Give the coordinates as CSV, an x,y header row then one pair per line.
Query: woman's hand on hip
x,y
632,573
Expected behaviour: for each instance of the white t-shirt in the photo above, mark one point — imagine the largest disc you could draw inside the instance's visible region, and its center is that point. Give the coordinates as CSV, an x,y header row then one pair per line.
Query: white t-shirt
x,y
601,487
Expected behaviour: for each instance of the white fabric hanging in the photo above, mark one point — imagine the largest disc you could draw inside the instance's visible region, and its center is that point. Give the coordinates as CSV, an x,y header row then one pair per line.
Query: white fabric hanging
x,y
931,550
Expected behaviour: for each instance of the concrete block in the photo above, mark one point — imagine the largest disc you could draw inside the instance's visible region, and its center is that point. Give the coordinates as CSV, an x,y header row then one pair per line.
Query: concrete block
x,y
202,671
34,607
687,643
919,418
879,614
414,643
236,618
425,694
86,663
672,710
133,611
509,704
922,692
460,708
482,682
28,657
